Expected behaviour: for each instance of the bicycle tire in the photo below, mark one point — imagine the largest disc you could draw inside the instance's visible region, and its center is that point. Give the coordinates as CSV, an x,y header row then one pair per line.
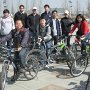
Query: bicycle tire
x,y
78,66
31,65
4,76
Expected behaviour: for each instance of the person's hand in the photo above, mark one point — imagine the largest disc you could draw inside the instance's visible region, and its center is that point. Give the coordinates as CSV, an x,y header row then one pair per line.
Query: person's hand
x,y
39,39
82,37
19,49
69,34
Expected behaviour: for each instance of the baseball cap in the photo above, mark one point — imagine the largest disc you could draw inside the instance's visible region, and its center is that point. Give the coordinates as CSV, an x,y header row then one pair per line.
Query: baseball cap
x,y
66,12
35,8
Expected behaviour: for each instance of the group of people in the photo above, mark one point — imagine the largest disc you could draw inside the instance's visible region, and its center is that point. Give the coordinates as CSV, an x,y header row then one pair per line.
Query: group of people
x,y
22,29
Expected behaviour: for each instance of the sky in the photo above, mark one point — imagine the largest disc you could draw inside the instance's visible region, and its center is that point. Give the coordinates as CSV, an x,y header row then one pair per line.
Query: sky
x,y
82,4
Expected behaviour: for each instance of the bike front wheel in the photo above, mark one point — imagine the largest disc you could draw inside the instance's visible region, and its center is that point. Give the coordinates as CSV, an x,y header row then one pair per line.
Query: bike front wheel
x,y
78,66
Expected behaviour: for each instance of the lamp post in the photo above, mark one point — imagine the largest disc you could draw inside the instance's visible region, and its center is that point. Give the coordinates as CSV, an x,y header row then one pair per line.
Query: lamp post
x,y
70,2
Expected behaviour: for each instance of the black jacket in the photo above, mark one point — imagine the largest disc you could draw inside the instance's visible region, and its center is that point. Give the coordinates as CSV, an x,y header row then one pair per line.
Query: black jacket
x,y
33,22
21,16
66,25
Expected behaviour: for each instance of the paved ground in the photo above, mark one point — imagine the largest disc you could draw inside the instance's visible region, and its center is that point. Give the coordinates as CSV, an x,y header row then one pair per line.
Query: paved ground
x,y
56,78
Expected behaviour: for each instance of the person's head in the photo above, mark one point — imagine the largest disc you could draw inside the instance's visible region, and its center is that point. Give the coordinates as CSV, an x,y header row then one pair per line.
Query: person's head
x,y
34,10
66,13
46,7
19,24
21,8
6,12
79,18
54,13
42,22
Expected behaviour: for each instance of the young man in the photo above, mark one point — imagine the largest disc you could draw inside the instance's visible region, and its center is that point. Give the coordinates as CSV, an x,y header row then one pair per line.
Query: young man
x,y
6,25
46,15
66,23
21,15
33,22
55,25
45,35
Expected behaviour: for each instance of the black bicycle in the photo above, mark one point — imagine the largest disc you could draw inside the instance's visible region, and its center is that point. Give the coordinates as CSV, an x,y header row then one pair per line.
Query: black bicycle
x,y
31,68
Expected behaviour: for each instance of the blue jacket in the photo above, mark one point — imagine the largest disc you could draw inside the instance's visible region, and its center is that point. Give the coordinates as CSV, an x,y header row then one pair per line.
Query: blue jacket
x,y
57,27
46,16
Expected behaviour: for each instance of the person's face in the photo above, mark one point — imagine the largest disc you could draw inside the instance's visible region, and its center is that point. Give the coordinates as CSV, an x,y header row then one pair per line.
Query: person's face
x,y
46,8
42,22
79,19
34,11
6,14
54,15
19,24
21,9
66,15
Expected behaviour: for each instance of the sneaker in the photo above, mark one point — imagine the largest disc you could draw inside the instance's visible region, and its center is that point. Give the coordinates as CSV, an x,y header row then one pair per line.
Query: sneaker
x,y
22,70
46,66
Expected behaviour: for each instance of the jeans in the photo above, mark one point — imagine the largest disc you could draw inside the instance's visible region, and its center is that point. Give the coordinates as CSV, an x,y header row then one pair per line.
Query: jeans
x,y
19,58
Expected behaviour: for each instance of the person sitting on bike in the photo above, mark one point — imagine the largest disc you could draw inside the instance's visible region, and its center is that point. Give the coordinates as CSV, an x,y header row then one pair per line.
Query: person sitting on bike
x,y
83,29
20,36
45,35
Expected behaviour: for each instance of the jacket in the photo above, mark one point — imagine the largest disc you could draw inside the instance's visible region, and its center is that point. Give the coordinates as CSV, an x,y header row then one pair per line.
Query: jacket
x,y
21,16
46,16
58,25
83,30
66,23
19,38
6,25
45,33
33,22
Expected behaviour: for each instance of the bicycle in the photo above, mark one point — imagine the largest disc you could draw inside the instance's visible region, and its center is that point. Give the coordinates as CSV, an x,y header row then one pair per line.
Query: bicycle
x,y
81,62
41,55
31,68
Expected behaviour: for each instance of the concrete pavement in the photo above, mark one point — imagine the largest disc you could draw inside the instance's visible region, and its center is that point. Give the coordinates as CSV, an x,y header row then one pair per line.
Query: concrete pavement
x,y
56,78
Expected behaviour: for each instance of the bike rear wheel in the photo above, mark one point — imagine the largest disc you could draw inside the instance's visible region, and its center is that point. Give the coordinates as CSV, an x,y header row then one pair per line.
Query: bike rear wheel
x,y
78,66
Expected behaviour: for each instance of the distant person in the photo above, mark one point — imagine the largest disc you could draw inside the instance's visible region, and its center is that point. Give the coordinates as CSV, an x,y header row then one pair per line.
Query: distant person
x,y
6,25
46,15
66,23
33,22
21,15
55,26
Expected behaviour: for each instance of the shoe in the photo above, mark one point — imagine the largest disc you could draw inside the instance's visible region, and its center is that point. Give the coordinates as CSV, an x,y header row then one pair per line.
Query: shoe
x,y
22,70
14,78
46,66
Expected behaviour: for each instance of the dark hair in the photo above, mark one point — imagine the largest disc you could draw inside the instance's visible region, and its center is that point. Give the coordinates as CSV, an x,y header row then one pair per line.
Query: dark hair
x,y
54,11
80,15
21,6
46,5
6,11
21,21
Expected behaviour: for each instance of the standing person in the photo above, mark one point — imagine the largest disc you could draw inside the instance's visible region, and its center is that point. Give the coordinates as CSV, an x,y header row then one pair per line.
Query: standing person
x,y
20,36
46,15
33,22
21,15
66,23
83,29
6,25
55,25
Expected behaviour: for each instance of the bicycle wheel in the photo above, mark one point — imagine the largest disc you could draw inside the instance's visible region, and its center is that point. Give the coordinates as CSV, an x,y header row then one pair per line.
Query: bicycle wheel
x,y
31,66
4,76
69,56
78,66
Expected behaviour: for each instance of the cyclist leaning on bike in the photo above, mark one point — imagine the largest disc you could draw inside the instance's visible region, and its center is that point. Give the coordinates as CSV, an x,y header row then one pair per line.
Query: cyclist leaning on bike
x,y
83,29
20,36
